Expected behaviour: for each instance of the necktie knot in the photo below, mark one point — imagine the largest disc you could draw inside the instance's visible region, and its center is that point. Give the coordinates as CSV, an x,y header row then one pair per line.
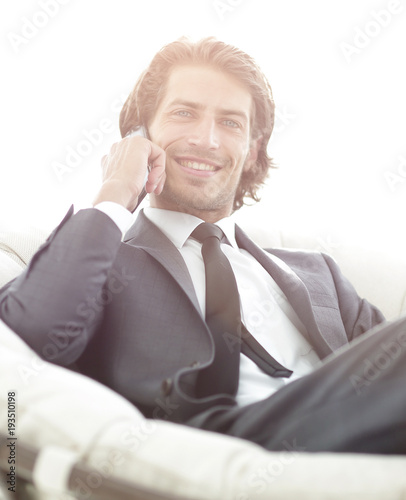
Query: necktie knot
x,y
207,230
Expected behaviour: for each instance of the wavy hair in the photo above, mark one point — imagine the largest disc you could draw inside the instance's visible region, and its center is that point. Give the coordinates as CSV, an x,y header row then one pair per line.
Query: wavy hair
x,y
144,99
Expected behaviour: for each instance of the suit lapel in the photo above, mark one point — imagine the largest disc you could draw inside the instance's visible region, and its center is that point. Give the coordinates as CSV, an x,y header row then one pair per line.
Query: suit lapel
x,y
145,235
294,289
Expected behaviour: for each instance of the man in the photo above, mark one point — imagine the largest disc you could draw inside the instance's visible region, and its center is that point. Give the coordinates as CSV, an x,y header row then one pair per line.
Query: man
x,y
134,314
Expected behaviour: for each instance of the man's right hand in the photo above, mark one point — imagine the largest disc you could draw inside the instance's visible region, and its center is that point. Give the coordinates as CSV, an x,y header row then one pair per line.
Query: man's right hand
x,y
125,168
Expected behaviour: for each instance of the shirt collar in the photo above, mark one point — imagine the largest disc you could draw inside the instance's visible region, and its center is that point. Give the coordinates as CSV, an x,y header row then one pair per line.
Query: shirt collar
x,y
227,225
178,226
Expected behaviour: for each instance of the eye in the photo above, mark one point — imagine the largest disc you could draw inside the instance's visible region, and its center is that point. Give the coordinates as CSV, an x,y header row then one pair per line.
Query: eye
x,y
231,123
183,112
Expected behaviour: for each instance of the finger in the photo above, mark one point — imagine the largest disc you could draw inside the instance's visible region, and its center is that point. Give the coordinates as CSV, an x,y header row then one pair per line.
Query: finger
x,y
155,178
157,171
160,186
157,156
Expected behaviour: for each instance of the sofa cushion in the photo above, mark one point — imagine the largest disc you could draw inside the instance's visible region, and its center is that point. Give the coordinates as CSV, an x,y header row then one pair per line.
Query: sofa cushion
x,y
9,268
17,246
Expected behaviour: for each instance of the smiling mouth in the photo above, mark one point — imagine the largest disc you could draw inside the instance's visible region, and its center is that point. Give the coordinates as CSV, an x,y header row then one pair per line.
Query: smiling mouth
x,y
195,165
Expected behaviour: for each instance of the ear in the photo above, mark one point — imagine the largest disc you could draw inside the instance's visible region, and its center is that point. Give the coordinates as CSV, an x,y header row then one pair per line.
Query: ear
x,y
255,145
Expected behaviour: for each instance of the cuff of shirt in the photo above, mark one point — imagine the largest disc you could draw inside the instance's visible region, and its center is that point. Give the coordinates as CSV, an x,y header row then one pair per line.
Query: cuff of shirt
x,y
117,213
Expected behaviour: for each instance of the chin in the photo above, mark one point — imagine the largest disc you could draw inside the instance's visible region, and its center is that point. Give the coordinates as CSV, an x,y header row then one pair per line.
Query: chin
x,y
194,198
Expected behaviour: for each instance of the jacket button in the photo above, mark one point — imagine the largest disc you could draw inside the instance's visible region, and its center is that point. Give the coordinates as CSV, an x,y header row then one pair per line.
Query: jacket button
x,y
166,386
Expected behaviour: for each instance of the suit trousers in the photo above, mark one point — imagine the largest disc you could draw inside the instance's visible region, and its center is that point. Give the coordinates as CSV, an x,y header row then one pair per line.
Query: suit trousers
x,y
355,401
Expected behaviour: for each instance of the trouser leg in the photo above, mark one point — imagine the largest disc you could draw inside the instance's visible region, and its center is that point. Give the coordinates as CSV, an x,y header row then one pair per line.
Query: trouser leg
x,y
354,402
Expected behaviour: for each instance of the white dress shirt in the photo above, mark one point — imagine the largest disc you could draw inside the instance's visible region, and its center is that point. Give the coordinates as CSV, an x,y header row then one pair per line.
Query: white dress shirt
x,y
265,311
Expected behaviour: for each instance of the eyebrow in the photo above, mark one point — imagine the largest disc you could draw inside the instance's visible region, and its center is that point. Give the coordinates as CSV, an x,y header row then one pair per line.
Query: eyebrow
x,y
197,105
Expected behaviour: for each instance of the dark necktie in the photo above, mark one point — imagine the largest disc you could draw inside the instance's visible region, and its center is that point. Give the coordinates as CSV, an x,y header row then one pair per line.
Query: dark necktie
x,y
222,315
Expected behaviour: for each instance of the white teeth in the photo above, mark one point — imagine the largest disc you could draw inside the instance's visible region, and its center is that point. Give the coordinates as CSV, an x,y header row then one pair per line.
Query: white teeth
x,y
196,166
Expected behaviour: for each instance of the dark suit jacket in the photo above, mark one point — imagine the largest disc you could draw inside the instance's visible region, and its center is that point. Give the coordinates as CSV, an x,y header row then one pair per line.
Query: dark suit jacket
x,y
127,314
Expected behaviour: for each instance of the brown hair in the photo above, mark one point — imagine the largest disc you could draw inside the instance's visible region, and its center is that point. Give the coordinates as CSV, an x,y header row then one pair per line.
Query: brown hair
x,y
144,99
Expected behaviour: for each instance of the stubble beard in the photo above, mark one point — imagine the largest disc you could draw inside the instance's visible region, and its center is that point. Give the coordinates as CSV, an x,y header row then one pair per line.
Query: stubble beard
x,y
198,197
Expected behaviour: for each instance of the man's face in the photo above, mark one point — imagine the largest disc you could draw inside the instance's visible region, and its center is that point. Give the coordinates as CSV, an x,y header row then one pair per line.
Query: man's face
x,y
203,124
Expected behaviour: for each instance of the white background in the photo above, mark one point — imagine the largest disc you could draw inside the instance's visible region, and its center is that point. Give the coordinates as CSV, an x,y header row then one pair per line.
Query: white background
x,y
341,128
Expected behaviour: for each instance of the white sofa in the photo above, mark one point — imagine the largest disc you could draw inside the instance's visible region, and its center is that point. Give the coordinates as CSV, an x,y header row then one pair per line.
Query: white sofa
x,y
68,418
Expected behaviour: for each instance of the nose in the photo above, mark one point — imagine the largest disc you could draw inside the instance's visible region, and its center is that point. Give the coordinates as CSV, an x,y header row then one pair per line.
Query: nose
x,y
204,134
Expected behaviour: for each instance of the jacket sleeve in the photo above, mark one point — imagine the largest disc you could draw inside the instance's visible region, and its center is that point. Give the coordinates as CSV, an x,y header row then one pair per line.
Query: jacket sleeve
x,y
357,314
48,304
